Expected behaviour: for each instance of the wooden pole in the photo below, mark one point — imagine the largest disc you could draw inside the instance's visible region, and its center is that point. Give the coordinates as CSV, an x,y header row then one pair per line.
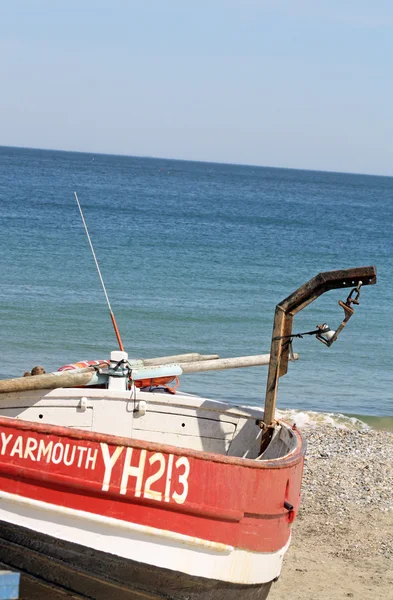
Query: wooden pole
x,y
89,375
50,381
179,358
228,363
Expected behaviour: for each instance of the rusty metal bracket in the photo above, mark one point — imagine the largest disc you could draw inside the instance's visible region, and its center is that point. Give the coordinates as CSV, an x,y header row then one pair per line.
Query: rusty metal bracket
x,y
348,312
283,320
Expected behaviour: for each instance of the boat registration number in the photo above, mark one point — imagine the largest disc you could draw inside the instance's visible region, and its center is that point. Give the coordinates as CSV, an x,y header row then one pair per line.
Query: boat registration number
x,y
168,473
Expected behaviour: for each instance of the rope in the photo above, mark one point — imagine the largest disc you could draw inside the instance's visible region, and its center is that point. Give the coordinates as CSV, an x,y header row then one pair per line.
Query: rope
x,y
321,329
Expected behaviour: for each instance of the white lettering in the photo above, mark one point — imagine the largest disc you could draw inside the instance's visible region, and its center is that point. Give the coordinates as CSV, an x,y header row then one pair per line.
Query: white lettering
x,y
149,493
81,451
68,461
57,459
44,450
18,447
173,472
5,440
91,458
167,495
31,444
109,462
129,471
182,462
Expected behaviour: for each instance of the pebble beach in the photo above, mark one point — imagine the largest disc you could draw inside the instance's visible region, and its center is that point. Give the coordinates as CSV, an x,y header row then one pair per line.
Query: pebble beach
x,y
342,539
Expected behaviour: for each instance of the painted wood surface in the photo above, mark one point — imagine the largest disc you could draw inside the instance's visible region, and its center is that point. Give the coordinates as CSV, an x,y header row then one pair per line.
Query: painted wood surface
x,y
154,485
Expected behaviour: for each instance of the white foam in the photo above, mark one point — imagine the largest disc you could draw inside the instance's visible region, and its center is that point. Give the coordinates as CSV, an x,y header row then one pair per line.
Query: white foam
x,y
312,420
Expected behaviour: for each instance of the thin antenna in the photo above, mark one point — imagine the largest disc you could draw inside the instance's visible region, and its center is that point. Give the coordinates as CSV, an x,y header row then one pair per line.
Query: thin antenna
x,y
102,281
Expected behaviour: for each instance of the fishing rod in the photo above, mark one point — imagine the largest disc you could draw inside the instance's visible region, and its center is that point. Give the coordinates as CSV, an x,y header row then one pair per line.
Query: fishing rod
x,y
101,279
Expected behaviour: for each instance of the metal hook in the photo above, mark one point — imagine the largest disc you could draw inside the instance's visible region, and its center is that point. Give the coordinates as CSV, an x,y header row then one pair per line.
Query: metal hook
x,y
355,300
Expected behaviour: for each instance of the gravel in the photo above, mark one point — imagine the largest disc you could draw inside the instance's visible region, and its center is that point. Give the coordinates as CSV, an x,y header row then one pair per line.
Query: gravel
x,y
348,468
347,490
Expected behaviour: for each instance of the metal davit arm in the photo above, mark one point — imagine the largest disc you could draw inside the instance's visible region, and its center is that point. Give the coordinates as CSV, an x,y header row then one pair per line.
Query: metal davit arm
x,y
288,308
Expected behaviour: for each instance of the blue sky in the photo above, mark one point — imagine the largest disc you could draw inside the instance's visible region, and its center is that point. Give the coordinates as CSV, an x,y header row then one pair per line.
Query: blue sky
x,y
301,83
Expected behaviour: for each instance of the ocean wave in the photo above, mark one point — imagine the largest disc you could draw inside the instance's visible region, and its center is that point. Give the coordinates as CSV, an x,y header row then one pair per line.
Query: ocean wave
x,y
312,420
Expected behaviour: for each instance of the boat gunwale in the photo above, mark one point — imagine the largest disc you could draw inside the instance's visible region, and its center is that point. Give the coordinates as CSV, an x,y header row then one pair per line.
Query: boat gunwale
x,y
288,460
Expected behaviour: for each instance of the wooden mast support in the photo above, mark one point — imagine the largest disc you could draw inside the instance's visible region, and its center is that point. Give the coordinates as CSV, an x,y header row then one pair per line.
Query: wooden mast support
x,y
283,319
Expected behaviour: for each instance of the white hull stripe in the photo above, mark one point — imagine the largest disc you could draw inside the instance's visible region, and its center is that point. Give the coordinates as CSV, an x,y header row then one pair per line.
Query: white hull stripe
x,y
117,523
149,545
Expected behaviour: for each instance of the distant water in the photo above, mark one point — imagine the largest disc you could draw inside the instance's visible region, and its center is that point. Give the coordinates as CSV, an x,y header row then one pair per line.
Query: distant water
x,y
195,257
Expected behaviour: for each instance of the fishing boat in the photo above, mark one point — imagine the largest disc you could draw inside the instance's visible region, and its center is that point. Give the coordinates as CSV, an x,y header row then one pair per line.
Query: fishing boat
x,y
115,485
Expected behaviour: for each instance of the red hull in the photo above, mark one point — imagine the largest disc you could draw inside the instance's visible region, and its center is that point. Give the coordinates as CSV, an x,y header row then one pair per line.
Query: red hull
x,y
227,500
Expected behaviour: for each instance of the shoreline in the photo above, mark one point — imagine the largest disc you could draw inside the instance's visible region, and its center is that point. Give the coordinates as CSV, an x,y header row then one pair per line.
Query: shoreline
x,y
380,423
342,539
313,419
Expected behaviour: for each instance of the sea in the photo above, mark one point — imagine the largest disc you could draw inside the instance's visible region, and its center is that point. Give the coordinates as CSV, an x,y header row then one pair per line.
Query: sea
x,y
195,256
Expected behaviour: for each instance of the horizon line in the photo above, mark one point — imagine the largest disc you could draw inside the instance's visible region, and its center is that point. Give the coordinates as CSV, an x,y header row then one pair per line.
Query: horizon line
x,y
234,164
